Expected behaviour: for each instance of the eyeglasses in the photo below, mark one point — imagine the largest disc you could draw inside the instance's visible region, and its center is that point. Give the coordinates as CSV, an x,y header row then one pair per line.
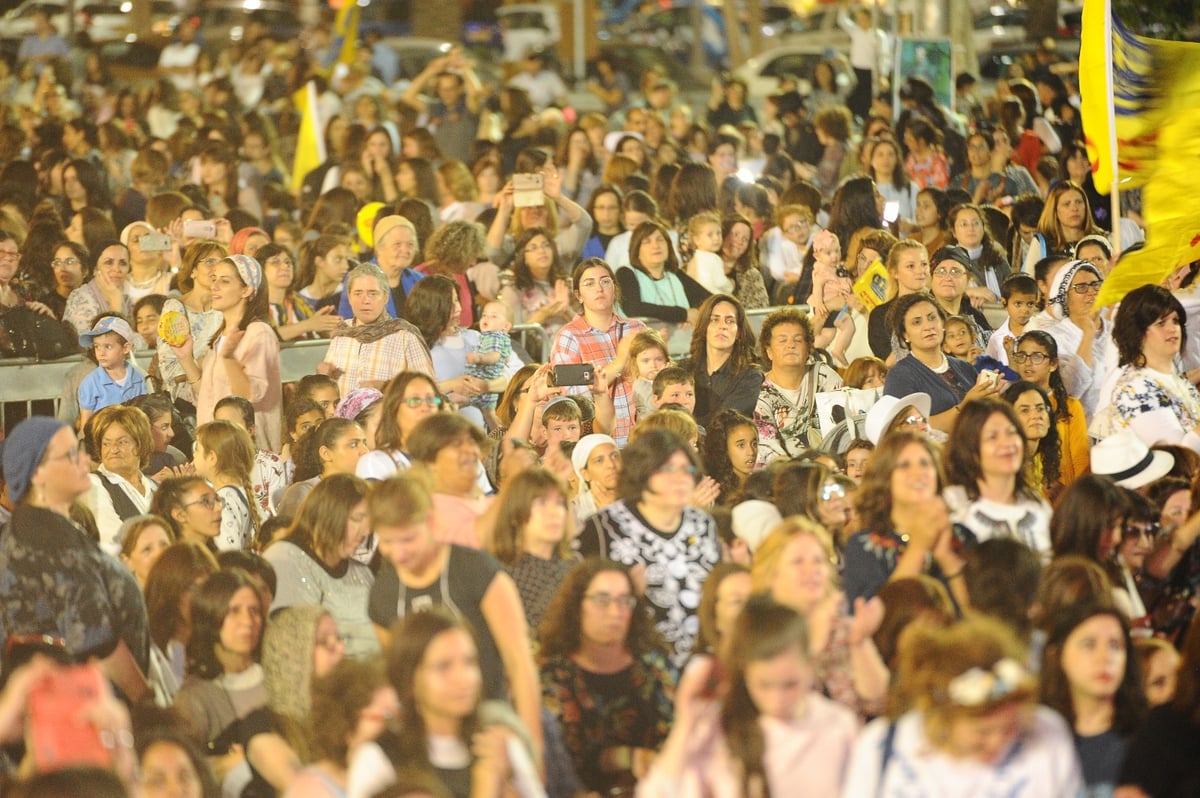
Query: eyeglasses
x,y
605,283
208,261
668,468
916,419
60,262
10,253
1036,358
71,455
1087,288
331,642
417,401
606,600
942,271
1148,530
831,491
209,502
798,227
119,443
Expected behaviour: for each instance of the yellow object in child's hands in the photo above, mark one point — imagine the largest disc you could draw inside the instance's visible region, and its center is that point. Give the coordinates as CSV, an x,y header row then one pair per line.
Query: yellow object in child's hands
x,y
871,285
173,328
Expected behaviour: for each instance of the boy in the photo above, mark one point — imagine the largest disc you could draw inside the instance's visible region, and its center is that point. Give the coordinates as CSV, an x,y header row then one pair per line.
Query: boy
x,y
1020,297
674,385
115,379
490,358
562,421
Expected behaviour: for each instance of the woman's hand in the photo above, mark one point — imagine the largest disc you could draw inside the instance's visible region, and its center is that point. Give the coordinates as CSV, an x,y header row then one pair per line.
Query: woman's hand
x,y
186,351
168,472
230,344
868,615
706,493
552,182
985,386
112,293
224,230
540,389
38,307
465,385
490,748
503,201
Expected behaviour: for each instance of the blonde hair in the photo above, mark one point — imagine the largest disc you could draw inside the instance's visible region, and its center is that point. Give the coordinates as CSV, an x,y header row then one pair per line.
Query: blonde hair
x,y
235,454
676,421
699,220
766,556
642,342
402,500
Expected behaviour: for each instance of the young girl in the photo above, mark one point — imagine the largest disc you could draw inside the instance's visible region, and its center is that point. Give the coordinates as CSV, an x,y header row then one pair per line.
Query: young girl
x,y
770,725
647,356
829,286
706,266
866,373
959,340
300,416
322,389
730,450
1091,678
323,264
224,455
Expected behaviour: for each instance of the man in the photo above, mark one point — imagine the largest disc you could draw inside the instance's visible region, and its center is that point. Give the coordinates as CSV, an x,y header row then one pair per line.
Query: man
x,y
178,59
543,84
868,53
453,116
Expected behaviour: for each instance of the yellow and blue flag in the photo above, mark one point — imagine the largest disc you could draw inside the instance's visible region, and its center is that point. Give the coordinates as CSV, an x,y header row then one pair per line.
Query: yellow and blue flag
x,y
310,143
343,45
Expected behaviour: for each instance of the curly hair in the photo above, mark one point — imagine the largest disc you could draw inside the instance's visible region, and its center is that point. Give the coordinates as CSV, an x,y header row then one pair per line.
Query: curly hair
x,y
135,423
962,457
784,316
1049,448
560,632
456,246
899,309
873,501
742,358
715,451
647,453
1139,311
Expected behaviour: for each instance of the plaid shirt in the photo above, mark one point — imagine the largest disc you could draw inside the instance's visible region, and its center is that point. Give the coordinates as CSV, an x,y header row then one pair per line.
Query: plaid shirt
x,y
379,360
580,342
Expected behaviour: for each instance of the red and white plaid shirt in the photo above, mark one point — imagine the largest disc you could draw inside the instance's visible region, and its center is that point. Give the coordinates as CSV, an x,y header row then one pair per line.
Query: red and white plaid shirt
x,y
579,342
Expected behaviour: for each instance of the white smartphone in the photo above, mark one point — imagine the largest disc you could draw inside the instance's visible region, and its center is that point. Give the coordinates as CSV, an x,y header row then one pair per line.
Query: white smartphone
x,y
891,211
199,228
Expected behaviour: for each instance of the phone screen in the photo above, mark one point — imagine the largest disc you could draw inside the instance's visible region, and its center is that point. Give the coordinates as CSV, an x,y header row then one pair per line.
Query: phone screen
x,y
891,211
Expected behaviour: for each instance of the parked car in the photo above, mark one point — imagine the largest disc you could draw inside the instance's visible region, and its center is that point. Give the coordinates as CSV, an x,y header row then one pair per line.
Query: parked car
x,y
526,26
104,21
762,72
224,21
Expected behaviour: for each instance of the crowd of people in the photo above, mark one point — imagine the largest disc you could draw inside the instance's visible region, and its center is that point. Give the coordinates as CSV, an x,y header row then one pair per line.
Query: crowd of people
x,y
911,515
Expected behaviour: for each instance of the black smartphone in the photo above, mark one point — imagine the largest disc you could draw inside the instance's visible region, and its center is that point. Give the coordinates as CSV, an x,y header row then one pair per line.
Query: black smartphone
x,y
573,374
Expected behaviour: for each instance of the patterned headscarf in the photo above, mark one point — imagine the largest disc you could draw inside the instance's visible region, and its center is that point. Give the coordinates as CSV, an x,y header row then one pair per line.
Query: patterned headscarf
x,y
248,269
1056,305
287,659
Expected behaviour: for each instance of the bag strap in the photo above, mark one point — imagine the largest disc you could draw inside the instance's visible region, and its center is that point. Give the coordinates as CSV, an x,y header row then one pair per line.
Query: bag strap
x,y
122,504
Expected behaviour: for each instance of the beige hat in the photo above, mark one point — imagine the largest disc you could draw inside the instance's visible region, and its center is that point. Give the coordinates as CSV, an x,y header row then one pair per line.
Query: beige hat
x,y
389,223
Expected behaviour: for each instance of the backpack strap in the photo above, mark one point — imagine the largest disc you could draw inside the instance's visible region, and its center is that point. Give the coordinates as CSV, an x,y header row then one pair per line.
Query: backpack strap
x,y
122,504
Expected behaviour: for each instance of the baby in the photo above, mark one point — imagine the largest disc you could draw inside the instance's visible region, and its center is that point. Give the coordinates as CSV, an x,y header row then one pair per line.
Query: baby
x,y
707,267
490,357
829,285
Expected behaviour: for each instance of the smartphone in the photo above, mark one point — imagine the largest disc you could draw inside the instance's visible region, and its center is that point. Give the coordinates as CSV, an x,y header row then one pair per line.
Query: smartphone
x,y
527,190
199,228
155,242
891,211
61,737
573,374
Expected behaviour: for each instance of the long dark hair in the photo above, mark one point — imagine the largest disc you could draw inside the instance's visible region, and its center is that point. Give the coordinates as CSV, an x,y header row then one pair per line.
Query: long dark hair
x,y
764,630
429,305
210,605
962,459
640,234
1058,389
521,274
742,358
693,189
716,451
1141,308
1049,447
1085,511
853,208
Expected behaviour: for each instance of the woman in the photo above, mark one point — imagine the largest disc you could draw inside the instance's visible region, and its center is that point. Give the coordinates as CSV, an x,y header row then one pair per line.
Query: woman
x,y
1043,460
283,308
453,252
194,281
314,563
410,397
72,268
121,435
564,219
1081,333
105,292
536,287
433,666
95,605
812,490
756,741
906,527
990,176
372,347
595,336
605,675
784,412
143,539
419,572
967,721
149,272
84,186
324,262
739,253
926,164
219,183
908,273
729,451
451,447
794,565
333,447
1090,676
604,206
1075,166
989,490
1036,359
172,765
918,324
930,210
1088,522
458,199
355,703
659,474
169,587
1066,218
192,508
433,308
989,266
952,267
582,166
531,538
886,168
223,698
722,359
1159,760
1149,394
653,285
396,246
244,360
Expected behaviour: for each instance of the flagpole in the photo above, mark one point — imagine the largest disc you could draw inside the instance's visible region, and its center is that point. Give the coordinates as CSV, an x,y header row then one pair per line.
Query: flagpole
x,y
1115,189
314,109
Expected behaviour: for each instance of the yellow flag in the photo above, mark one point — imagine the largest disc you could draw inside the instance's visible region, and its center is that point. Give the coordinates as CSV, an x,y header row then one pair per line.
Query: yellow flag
x,y
1169,198
310,143
343,45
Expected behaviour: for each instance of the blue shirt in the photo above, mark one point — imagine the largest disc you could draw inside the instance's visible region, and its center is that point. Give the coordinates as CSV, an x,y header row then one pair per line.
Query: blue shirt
x,y
98,390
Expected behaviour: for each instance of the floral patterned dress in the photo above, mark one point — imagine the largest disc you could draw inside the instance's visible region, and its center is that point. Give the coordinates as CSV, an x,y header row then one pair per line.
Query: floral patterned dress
x,y
638,714
787,420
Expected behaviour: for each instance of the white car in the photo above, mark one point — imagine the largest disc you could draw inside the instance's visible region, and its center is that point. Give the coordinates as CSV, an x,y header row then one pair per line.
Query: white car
x,y
104,21
526,26
761,73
